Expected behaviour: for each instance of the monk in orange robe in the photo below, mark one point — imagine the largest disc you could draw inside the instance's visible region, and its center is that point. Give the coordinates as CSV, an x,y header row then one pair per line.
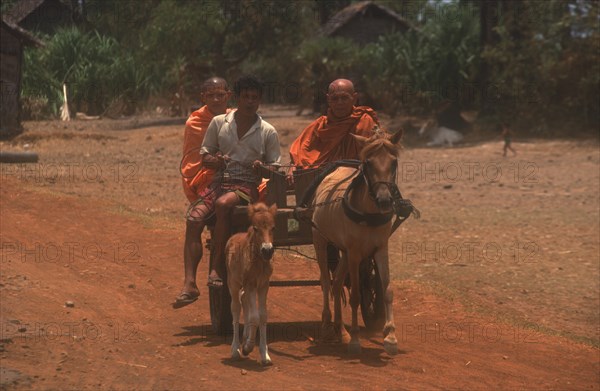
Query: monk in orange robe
x,y
214,94
328,138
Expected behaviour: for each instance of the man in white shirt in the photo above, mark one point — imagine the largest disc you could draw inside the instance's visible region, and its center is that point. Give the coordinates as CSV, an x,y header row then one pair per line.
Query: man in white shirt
x,y
236,144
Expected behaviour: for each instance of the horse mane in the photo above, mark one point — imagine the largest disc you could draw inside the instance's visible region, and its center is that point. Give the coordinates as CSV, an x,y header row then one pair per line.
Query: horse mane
x,y
375,143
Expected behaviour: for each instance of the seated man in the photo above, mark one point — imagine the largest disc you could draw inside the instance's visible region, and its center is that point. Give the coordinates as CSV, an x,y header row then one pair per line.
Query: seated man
x,y
215,94
236,144
328,138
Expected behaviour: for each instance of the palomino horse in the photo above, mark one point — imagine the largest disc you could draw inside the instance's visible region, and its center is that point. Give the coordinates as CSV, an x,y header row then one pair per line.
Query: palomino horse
x,y
359,226
249,268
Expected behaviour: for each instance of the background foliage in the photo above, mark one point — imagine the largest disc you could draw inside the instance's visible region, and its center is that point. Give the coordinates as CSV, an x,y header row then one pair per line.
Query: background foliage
x,y
533,62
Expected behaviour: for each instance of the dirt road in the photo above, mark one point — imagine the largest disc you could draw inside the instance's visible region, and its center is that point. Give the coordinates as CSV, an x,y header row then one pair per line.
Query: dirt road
x,y
113,251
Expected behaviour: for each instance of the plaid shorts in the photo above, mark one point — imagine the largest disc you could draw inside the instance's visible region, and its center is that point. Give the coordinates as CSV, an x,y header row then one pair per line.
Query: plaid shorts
x,y
204,207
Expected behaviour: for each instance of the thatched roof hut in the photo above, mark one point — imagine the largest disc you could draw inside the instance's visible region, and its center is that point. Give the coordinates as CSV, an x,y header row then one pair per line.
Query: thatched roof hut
x,y
41,15
364,22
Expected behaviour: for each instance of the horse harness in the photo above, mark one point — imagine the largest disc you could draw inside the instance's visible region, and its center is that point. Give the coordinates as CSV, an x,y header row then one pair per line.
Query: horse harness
x,y
401,208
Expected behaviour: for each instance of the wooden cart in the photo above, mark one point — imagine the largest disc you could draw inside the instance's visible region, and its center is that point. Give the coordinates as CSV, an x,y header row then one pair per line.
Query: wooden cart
x,y
291,232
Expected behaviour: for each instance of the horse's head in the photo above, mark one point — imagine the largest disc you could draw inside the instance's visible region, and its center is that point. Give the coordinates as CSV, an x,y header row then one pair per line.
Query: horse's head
x,y
427,127
379,156
262,220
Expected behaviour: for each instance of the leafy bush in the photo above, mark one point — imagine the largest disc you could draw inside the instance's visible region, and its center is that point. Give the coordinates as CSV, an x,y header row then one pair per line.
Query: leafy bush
x,y
411,71
418,69
326,59
97,72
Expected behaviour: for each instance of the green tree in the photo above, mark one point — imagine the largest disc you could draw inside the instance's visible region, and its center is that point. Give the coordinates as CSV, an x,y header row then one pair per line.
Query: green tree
x,y
545,65
221,37
98,73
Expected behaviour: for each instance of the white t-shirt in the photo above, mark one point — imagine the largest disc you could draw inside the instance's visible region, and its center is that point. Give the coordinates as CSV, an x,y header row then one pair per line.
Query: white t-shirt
x,y
260,142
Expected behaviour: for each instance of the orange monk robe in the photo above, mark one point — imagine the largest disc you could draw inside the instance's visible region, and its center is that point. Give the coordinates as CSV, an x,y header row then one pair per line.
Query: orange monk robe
x,y
195,177
326,141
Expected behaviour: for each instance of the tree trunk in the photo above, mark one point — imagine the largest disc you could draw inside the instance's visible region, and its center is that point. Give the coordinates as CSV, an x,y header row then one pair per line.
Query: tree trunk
x,y
488,17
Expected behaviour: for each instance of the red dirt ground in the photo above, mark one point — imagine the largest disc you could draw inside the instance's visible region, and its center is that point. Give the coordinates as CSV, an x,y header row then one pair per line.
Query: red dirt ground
x,y
113,247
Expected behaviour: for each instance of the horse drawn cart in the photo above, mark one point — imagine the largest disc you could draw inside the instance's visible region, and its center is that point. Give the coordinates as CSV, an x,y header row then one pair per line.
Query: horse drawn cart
x,y
289,232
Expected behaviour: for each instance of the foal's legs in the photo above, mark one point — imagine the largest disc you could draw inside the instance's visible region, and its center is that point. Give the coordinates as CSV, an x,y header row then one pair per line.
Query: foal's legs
x,y
265,359
251,321
389,342
246,309
235,312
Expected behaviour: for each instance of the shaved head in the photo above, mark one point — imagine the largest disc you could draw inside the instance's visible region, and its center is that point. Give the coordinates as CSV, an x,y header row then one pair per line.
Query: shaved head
x,y
341,98
341,85
214,82
215,93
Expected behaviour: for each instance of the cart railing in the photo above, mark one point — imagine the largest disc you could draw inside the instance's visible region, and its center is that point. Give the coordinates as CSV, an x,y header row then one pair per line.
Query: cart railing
x,y
288,230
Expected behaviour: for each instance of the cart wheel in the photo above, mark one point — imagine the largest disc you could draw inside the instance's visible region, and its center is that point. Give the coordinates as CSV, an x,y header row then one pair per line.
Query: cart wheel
x,y
372,304
220,310
220,305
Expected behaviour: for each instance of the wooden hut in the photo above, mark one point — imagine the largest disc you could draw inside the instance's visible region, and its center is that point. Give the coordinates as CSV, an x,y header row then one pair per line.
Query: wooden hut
x,y
44,16
364,22
13,38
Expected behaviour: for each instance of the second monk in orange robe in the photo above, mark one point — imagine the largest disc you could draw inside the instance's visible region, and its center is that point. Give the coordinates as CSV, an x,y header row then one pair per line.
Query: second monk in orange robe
x,y
328,138
215,94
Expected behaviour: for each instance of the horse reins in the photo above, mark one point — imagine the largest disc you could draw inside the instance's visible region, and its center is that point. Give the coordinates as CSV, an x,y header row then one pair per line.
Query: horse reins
x,y
402,208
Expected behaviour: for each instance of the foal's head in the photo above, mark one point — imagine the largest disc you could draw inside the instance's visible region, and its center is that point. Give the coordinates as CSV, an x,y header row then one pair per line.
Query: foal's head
x,y
379,155
262,220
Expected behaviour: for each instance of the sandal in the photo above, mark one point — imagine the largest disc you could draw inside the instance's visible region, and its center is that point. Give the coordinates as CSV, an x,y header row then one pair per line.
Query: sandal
x,y
214,282
184,299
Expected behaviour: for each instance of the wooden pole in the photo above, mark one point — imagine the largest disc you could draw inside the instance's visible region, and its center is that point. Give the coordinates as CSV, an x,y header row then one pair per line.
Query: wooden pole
x,y
65,115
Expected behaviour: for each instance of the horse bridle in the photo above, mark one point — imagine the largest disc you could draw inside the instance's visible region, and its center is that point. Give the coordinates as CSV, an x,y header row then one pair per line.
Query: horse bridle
x,y
359,217
363,168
